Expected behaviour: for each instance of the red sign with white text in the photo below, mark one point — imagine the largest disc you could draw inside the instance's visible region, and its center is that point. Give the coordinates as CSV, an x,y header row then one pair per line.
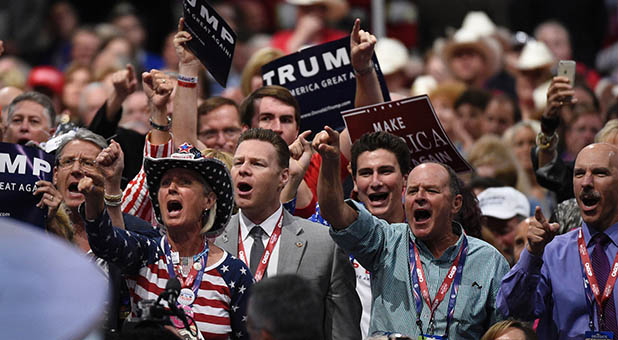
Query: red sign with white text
x,y
415,121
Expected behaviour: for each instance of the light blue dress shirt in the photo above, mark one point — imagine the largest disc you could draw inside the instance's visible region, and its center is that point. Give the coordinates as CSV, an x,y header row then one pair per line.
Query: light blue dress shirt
x,y
383,249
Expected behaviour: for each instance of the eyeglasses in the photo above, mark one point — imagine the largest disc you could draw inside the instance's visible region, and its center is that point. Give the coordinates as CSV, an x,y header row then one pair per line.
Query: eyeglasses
x,y
86,164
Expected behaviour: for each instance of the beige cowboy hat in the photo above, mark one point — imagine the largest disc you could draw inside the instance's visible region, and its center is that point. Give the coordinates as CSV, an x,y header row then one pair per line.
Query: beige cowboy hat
x,y
466,38
337,9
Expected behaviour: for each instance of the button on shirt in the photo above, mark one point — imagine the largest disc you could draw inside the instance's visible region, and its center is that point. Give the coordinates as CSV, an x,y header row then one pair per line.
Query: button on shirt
x,y
383,249
551,288
269,226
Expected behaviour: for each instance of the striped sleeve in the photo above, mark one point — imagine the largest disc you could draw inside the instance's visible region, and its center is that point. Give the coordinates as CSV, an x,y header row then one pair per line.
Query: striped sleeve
x,y
135,198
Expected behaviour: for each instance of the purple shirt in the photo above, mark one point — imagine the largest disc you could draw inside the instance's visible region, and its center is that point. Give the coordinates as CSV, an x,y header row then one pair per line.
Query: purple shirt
x,y
551,288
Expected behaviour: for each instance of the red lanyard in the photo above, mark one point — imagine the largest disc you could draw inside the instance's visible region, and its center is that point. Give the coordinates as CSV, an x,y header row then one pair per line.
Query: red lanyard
x,y
444,287
594,286
272,241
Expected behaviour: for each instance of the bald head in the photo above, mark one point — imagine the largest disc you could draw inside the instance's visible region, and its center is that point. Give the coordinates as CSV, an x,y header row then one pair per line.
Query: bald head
x,y
7,94
595,184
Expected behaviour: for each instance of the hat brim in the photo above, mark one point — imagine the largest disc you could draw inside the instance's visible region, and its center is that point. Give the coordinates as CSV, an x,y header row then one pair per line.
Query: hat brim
x,y
490,57
212,170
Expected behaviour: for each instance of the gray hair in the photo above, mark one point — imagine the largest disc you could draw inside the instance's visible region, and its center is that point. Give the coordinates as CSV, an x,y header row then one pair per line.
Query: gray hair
x,y
39,98
84,135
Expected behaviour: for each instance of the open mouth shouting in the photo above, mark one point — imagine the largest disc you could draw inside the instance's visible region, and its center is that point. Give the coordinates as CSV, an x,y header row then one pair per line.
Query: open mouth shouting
x,y
174,208
589,201
244,189
421,215
74,191
378,199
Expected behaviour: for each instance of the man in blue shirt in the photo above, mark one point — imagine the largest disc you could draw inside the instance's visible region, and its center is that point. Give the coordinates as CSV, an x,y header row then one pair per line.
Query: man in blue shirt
x,y
549,282
427,277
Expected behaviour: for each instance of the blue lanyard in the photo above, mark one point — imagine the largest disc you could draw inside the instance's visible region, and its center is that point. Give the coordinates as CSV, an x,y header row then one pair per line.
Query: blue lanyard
x,y
202,257
455,290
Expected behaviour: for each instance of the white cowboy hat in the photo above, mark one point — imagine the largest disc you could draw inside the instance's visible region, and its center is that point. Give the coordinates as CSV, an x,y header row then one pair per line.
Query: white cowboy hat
x,y
535,55
392,55
337,9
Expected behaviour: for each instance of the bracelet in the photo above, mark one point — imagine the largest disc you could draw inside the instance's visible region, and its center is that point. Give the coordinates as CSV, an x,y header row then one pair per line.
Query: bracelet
x,y
113,197
547,143
365,70
110,203
186,81
162,127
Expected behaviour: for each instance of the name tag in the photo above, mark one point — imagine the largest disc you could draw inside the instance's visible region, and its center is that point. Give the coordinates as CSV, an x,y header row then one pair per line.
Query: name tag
x,y
590,335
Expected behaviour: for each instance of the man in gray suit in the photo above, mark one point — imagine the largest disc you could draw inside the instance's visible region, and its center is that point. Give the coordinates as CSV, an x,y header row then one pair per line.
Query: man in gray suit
x,y
272,241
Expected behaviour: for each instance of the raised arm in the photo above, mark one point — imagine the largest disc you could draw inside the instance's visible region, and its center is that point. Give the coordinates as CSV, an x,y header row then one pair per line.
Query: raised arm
x,y
560,93
362,44
185,99
125,83
111,163
158,87
300,157
330,191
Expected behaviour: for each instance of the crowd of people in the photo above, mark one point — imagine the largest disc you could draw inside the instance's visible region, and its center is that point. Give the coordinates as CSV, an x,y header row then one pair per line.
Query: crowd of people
x,y
161,174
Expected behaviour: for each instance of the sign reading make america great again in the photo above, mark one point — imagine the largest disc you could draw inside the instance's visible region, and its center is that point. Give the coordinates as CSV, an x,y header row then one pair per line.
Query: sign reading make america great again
x,y
414,120
213,40
321,78
20,168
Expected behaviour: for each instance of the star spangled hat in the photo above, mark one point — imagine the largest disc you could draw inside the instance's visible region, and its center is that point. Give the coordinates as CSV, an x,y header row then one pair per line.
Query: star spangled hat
x,y
212,170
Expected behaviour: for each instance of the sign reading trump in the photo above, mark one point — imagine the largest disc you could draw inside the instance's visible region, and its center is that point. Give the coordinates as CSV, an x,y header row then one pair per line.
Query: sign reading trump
x,y
20,168
321,78
213,40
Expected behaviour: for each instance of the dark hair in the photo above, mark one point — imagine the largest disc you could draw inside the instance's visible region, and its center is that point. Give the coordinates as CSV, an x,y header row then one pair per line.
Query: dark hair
x,y
475,97
381,140
469,216
38,98
580,83
287,307
248,106
269,136
505,98
214,103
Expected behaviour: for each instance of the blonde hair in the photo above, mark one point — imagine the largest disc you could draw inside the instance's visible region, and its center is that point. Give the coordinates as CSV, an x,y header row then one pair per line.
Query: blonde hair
x,y
609,131
254,65
509,134
227,159
491,151
499,328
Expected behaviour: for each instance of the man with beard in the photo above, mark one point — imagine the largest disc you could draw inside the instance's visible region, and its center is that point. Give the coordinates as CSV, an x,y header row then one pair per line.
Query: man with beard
x,y
547,281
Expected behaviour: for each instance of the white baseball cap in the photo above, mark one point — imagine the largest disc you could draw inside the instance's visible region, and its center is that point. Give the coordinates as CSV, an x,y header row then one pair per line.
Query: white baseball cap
x,y
503,203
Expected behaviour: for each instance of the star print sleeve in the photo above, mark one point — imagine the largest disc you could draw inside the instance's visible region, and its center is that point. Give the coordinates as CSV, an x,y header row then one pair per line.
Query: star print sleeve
x,y
239,281
130,251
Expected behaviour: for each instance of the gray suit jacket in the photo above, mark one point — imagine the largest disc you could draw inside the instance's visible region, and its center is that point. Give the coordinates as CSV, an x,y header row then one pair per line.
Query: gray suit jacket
x,y
307,250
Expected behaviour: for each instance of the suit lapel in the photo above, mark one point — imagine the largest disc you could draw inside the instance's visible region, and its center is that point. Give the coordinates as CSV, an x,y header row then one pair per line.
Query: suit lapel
x,y
229,239
292,245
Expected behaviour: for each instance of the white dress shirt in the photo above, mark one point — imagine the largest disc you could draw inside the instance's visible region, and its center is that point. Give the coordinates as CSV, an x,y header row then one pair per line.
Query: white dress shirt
x,y
269,226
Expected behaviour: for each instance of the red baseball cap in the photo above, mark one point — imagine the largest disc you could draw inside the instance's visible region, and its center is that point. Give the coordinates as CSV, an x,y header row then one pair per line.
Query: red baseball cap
x,y
46,76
